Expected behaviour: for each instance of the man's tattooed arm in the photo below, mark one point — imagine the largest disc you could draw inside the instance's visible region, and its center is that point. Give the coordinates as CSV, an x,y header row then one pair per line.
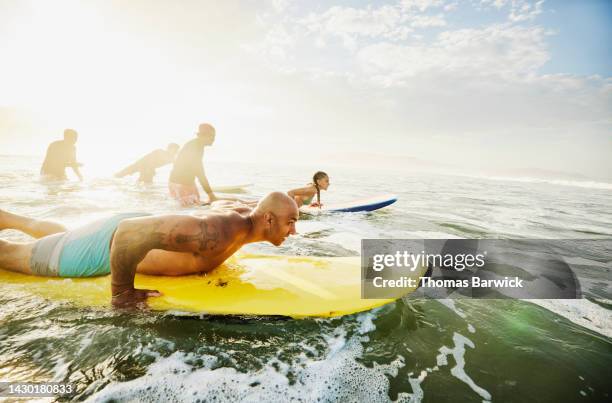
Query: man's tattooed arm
x,y
134,238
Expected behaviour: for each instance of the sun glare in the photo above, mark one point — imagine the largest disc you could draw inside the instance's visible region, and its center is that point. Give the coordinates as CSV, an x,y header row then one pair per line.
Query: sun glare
x,y
124,93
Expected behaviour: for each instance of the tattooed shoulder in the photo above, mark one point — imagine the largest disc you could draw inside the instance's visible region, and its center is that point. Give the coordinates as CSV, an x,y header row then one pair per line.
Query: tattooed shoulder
x,y
204,234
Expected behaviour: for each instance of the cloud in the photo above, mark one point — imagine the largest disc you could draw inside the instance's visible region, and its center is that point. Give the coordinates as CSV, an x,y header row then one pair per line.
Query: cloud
x,y
451,6
349,26
349,23
388,39
421,5
520,10
425,21
525,11
457,94
495,51
495,3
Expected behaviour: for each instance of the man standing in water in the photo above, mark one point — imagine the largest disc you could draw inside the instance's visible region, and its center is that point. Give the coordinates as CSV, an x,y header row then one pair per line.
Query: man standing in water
x,y
147,165
124,244
61,154
188,166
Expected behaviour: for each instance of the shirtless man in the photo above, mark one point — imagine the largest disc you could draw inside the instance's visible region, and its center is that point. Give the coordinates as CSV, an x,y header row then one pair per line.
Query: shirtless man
x,y
60,155
188,166
124,244
147,165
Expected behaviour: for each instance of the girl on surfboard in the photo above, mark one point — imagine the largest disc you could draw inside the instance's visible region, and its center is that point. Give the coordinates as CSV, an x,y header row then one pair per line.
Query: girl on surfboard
x,y
303,196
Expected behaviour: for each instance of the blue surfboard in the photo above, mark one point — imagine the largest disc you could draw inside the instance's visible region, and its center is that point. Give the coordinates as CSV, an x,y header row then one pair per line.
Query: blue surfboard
x,y
368,204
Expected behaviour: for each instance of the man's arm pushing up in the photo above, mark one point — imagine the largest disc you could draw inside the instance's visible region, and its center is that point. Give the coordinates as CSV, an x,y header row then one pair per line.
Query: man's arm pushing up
x,y
135,237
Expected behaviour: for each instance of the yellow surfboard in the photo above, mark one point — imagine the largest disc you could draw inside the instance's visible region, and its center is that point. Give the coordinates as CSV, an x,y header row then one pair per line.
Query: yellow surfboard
x,y
258,285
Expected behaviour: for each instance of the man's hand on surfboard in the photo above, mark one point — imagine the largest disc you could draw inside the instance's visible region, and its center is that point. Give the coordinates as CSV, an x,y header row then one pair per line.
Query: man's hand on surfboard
x,y
133,296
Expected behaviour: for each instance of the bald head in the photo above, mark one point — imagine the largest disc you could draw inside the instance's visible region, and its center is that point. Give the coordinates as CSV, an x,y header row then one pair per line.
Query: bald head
x,y
276,215
277,203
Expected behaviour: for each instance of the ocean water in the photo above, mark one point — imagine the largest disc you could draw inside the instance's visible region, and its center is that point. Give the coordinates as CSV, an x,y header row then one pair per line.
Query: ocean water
x,y
411,350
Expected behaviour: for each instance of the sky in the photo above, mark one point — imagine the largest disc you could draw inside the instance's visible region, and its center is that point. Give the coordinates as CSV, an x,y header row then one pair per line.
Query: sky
x,y
485,85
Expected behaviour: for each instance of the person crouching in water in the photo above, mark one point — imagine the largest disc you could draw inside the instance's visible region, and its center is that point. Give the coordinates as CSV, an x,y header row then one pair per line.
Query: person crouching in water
x,y
147,165
303,196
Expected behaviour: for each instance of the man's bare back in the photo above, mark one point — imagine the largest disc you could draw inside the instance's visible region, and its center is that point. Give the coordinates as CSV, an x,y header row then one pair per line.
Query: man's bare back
x,y
236,223
213,238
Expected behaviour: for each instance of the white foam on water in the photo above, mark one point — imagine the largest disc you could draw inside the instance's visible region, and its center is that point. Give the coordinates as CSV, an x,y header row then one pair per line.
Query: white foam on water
x,y
348,240
367,322
441,360
581,312
85,342
335,377
306,227
350,229
417,394
153,350
458,371
60,370
336,341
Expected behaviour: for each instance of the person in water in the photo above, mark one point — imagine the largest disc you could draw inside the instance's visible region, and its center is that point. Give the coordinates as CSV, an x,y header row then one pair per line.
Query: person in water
x,y
166,245
303,196
188,166
60,155
147,165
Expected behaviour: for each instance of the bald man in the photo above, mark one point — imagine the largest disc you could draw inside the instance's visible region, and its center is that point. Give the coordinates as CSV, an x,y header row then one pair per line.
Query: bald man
x,y
124,244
